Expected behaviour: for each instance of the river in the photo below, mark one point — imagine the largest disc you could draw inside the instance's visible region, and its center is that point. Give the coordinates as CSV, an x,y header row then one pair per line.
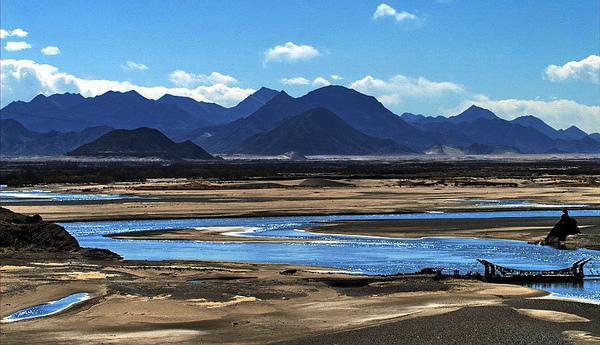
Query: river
x,y
368,255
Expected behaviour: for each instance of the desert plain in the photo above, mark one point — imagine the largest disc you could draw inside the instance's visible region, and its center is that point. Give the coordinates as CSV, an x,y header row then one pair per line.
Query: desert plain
x,y
143,302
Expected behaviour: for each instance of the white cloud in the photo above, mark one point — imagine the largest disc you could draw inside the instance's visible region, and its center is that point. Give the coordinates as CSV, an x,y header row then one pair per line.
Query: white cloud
x,y
336,77
559,114
385,10
587,70
295,81
51,50
185,79
134,66
16,46
319,81
24,79
15,32
399,87
291,52
19,33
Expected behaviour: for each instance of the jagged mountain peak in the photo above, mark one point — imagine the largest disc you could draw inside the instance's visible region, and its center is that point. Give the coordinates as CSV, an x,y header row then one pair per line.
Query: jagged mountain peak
x,y
474,113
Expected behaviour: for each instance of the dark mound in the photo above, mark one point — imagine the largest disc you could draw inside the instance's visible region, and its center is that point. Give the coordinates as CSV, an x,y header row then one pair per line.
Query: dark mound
x,y
23,233
318,131
566,226
140,143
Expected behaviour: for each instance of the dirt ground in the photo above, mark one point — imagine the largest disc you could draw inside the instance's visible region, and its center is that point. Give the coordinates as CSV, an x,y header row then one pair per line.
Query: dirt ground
x,y
188,302
144,302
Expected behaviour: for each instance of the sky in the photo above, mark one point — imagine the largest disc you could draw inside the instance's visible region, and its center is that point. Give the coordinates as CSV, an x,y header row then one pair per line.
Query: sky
x,y
425,57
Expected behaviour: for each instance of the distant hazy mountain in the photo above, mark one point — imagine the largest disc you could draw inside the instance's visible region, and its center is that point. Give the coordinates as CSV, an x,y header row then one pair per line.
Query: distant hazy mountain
x,y
251,104
318,131
16,140
367,114
140,143
127,110
471,114
217,114
526,134
219,139
208,112
220,129
571,133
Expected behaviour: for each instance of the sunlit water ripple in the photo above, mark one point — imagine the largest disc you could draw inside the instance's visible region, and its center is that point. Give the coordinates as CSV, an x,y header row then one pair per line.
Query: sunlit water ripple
x,y
367,255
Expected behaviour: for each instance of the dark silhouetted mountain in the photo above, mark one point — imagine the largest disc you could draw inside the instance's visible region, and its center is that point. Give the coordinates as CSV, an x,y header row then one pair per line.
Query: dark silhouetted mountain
x,y
525,134
472,114
208,112
572,132
129,110
503,133
251,104
66,100
584,145
219,139
140,143
318,131
16,140
217,114
125,110
366,114
186,119
537,124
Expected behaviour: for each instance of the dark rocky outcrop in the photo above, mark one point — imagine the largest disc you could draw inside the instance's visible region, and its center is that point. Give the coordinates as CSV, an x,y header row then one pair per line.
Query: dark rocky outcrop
x,y
21,233
566,226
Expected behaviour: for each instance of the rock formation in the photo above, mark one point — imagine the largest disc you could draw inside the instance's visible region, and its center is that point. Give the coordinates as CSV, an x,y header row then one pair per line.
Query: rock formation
x,y
566,226
21,233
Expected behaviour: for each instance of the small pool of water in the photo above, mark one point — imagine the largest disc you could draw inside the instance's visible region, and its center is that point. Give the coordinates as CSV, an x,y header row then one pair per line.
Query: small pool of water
x,y
485,202
47,309
41,195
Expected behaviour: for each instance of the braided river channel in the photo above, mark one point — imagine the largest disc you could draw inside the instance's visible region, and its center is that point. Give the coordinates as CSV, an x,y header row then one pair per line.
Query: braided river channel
x,y
360,254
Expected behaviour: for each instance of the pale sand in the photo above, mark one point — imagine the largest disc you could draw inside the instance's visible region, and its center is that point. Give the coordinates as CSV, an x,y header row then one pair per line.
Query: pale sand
x,y
160,306
363,197
150,302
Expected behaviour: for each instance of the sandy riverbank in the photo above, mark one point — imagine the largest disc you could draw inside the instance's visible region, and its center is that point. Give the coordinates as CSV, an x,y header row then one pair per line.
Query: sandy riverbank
x,y
250,303
167,199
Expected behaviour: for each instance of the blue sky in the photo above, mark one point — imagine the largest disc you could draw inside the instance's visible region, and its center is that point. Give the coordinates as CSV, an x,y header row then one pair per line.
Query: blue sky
x,y
429,57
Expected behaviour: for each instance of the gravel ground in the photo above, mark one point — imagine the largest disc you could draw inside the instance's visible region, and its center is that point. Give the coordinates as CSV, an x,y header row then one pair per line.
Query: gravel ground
x,y
472,325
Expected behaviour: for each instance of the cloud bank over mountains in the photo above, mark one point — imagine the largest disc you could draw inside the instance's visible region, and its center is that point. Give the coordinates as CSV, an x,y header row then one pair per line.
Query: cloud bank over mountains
x,y
25,79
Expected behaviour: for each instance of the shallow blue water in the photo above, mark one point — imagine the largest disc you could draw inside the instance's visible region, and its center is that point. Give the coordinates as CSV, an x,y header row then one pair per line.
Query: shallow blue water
x,y
368,255
40,195
47,309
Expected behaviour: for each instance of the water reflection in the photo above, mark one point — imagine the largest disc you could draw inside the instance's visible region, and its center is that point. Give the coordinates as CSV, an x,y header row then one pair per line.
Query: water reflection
x,y
47,309
368,255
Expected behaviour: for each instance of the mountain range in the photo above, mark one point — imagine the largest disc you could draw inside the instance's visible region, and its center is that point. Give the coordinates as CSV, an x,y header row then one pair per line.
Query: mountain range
x,y
330,120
